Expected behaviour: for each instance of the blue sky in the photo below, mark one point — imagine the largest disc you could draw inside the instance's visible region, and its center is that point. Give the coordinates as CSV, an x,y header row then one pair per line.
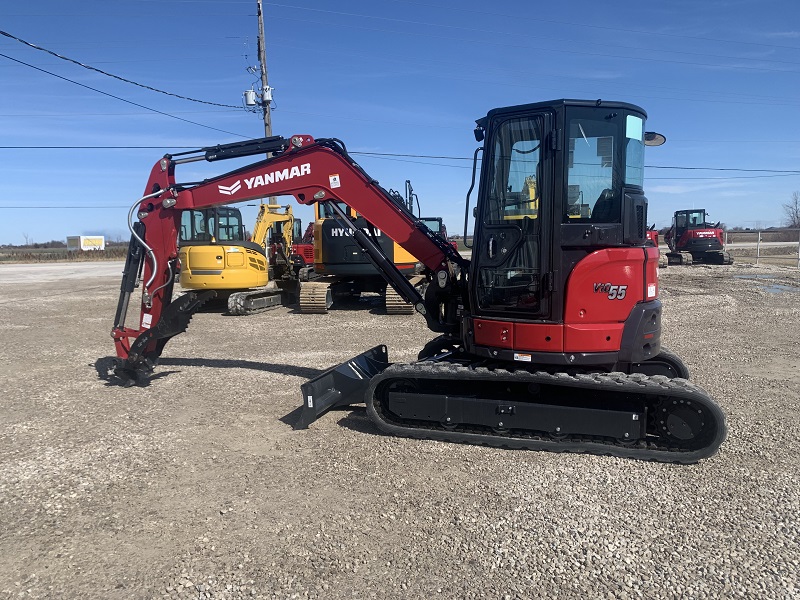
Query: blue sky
x,y
718,77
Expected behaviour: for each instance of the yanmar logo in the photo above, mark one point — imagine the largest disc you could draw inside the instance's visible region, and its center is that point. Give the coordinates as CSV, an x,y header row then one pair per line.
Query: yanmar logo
x,y
266,179
230,190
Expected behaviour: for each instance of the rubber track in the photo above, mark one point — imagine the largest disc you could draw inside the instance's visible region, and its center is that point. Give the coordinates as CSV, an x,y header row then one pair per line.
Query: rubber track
x,y
637,383
680,258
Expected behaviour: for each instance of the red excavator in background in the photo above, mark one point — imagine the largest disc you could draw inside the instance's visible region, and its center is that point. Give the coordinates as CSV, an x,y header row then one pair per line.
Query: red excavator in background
x,y
691,239
550,336
652,239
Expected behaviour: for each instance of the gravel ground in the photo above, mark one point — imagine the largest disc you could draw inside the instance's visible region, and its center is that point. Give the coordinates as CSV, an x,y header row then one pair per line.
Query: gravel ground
x,y
197,486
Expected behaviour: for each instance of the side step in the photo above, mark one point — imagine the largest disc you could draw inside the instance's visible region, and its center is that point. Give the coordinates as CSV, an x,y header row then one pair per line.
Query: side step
x,y
342,385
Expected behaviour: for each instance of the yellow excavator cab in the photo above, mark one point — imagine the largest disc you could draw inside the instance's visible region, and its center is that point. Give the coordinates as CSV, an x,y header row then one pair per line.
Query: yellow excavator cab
x,y
523,204
216,253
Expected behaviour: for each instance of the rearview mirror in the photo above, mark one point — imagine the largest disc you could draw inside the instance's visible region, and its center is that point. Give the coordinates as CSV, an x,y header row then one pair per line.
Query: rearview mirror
x,y
651,138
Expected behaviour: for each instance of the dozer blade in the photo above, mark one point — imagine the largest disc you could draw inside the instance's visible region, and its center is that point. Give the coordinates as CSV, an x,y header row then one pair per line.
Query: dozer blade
x,y
174,320
342,385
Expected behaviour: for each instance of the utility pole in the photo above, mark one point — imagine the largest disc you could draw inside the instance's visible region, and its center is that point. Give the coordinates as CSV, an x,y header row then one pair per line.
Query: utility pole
x,y
266,92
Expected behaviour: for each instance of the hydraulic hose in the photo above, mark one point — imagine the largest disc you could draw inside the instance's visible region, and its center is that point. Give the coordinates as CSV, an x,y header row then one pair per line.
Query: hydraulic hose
x,y
147,248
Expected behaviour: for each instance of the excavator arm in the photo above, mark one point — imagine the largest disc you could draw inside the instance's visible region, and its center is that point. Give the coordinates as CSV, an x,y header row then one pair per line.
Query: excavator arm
x,y
267,218
311,171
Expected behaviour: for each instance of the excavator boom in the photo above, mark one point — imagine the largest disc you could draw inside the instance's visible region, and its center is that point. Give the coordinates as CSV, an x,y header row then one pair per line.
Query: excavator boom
x,y
311,171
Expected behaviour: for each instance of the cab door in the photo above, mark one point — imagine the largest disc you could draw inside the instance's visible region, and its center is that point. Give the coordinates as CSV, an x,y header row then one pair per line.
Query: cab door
x,y
510,256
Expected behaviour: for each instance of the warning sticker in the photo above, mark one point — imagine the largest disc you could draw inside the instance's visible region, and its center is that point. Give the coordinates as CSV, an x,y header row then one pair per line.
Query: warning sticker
x,y
335,182
522,357
147,320
651,290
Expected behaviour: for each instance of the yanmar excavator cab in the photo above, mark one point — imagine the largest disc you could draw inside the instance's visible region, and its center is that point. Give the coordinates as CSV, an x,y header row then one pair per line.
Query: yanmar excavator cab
x,y
550,334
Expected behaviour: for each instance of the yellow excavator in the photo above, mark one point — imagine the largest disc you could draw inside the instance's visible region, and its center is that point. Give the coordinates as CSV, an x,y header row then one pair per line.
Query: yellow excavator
x,y
255,272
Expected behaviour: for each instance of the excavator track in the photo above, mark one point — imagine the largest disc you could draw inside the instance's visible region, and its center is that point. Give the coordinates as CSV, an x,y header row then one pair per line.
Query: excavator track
x,y
680,258
722,258
252,301
395,305
637,416
315,297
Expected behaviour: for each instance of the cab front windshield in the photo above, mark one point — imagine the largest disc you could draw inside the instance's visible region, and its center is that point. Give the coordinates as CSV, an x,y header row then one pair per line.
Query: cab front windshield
x,y
693,219
606,154
213,224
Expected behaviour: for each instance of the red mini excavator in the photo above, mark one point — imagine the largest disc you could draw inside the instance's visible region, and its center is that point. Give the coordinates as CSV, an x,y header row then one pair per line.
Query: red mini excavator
x,y
692,240
550,336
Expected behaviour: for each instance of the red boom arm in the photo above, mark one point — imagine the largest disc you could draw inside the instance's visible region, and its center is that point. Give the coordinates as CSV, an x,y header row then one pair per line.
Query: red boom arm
x,y
311,171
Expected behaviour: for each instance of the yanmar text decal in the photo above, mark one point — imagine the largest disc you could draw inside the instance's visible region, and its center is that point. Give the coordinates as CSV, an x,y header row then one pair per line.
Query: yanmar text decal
x,y
266,179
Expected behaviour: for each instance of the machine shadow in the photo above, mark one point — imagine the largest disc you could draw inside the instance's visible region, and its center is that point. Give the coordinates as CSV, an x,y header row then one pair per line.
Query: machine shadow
x,y
357,420
218,363
105,369
106,365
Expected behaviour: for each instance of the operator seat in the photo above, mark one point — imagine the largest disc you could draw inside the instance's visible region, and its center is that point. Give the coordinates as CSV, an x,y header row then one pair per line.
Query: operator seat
x,y
607,208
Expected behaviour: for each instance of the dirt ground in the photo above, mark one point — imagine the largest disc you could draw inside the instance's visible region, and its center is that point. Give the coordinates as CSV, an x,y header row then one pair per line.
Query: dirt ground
x,y
198,487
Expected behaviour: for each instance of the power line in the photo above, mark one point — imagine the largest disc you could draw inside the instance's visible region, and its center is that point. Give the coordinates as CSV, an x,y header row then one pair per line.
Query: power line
x,y
74,115
719,178
96,147
393,155
63,207
123,99
725,169
91,68
791,172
